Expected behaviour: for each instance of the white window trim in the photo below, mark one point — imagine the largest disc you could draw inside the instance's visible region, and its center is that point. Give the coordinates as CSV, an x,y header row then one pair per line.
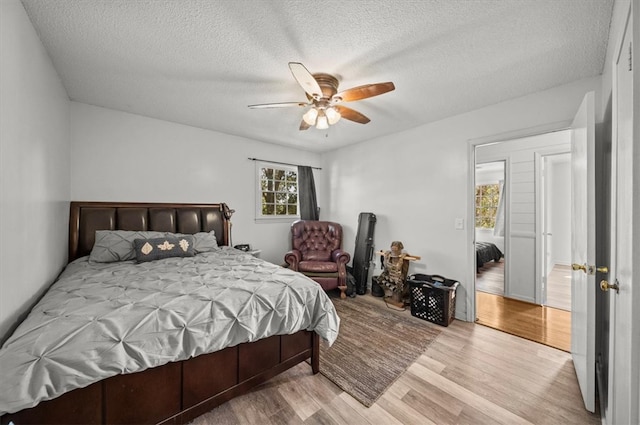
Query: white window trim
x,y
259,218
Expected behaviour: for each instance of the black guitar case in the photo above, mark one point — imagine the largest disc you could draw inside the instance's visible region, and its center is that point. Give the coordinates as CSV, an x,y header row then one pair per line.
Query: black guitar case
x,y
364,251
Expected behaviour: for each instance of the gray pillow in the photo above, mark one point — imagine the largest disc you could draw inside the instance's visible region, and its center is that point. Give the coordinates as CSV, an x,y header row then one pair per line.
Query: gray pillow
x,y
166,247
205,242
117,245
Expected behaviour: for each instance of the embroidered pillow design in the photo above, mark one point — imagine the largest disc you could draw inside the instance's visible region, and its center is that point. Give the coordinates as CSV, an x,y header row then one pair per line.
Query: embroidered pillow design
x,y
166,247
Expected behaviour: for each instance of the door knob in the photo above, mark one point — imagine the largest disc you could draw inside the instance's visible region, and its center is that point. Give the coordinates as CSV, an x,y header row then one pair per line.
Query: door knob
x,y
605,286
576,267
589,269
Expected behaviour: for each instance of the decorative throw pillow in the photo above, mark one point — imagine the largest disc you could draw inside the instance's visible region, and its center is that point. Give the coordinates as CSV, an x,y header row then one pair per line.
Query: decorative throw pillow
x,y
117,245
202,241
165,247
205,242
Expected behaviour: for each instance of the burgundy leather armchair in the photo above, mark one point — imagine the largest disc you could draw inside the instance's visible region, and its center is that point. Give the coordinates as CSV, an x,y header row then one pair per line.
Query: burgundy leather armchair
x,y
316,252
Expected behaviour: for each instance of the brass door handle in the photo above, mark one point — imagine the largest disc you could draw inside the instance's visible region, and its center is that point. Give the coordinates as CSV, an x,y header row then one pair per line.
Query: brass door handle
x,y
589,269
605,286
577,267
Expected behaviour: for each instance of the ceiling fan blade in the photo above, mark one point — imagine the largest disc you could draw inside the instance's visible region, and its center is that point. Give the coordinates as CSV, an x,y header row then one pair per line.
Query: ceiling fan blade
x,y
351,114
304,125
364,92
305,79
278,105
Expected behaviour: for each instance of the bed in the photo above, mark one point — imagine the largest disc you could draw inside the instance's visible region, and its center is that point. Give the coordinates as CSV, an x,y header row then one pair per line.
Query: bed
x,y
485,252
111,344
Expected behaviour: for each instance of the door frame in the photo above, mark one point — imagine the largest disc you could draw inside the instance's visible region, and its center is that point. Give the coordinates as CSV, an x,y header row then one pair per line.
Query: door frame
x,y
471,173
541,205
506,170
623,403
542,227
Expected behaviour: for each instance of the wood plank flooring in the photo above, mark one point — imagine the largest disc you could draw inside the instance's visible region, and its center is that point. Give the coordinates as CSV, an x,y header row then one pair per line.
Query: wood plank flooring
x,y
559,287
470,374
550,324
546,325
490,277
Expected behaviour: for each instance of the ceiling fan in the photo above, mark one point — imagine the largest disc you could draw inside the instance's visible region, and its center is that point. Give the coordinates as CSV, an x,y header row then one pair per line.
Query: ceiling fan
x,y
324,99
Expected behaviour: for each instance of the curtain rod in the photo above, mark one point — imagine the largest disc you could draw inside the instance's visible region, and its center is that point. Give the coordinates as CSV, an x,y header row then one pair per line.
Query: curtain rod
x,y
282,163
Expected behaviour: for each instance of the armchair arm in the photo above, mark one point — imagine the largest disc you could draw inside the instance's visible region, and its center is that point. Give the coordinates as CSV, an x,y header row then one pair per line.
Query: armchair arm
x,y
292,258
342,258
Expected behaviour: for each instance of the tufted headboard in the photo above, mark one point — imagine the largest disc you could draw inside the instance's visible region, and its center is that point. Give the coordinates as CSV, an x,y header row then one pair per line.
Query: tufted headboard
x,y
87,217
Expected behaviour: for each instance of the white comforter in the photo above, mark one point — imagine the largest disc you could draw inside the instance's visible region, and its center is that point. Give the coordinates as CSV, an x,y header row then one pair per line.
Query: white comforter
x,y
100,320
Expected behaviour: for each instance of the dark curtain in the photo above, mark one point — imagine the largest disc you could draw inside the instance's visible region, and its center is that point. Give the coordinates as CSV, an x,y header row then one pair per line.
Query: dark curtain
x,y
307,194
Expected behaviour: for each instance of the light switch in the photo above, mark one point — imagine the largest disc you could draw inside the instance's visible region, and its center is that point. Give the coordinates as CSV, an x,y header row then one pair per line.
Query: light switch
x,y
459,224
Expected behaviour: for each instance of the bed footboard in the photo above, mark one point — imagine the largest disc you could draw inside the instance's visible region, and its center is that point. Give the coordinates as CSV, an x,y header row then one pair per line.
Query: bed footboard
x,y
177,392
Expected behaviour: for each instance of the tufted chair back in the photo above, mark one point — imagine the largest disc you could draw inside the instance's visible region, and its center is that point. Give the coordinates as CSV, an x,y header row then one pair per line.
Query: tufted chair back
x,y
316,240
316,252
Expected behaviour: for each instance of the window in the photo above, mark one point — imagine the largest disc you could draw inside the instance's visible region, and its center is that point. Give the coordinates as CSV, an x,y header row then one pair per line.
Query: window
x,y
487,198
277,191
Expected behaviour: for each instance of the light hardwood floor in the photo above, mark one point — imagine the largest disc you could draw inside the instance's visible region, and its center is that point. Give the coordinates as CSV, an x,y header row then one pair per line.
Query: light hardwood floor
x,y
550,326
470,374
559,287
490,277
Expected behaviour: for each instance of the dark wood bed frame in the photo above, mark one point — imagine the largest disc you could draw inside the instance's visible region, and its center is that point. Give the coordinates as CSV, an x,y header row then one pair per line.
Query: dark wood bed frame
x,y
176,392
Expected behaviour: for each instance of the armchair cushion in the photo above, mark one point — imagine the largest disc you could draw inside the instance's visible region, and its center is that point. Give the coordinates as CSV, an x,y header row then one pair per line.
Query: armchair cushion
x,y
318,266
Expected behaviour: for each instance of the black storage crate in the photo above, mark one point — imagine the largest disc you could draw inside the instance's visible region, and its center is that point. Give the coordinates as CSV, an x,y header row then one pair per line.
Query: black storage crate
x,y
433,298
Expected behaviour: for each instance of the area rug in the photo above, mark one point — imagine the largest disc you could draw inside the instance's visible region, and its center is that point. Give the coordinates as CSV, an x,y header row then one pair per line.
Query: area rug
x,y
374,347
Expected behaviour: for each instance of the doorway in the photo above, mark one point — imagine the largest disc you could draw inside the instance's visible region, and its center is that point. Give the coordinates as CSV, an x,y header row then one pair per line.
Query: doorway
x,y
490,200
519,305
555,227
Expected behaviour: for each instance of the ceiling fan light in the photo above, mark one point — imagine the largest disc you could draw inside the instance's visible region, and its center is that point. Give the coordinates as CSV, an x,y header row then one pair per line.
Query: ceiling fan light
x,y
333,116
322,123
310,116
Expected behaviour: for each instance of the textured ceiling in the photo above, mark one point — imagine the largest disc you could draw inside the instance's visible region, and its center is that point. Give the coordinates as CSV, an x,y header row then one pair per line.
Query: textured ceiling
x,y
201,62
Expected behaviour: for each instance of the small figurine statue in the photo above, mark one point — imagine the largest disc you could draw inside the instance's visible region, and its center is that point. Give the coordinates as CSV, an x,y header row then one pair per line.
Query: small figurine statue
x,y
393,277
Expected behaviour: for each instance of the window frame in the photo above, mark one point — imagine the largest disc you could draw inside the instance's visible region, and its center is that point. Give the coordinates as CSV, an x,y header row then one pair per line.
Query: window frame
x,y
478,205
259,216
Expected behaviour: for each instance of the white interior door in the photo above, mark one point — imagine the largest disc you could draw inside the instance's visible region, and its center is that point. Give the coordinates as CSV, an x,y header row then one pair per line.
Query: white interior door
x,y
622,406
583,253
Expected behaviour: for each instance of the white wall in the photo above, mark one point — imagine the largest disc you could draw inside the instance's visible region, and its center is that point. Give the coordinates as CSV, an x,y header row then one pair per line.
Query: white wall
x,y
118,156
416,181
492,175
34,166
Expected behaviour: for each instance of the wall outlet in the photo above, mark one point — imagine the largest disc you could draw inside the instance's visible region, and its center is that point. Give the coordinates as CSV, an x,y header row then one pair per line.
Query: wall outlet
x,y
459,223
